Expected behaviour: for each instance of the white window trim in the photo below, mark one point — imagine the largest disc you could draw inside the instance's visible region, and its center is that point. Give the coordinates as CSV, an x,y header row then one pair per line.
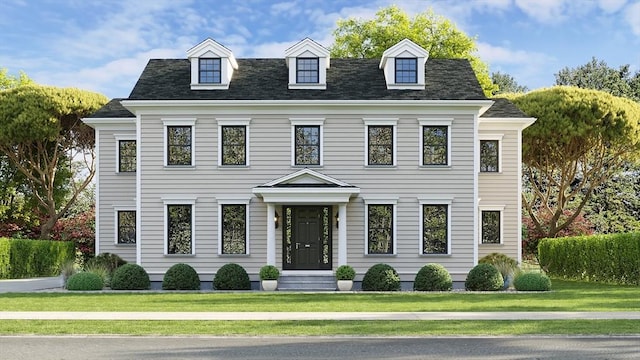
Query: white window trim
x,y
124,137
117,209
443,200
234,122
381,201
179,122
380,122
435,122
499,208
179,200
234,201
499,138
306,122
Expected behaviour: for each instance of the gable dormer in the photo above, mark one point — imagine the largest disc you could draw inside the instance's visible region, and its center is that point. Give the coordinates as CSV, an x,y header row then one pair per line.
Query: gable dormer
x,y
212,66
308,62
403,65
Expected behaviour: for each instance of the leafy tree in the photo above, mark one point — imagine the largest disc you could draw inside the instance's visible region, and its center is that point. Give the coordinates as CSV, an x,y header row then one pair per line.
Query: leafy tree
x,y
9,81
581,139
506,84
40,133
597,75
370,38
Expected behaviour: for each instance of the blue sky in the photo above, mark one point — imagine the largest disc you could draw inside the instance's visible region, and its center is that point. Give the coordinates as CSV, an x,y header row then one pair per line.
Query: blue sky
x,y
103,45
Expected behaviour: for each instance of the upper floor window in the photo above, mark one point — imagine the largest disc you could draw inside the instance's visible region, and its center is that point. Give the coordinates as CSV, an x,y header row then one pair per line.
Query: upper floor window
x,y
435,229
406,70
307,146
234,145
126,156
179,151
307,70
489,155
435,144
380,145
126,226
210,71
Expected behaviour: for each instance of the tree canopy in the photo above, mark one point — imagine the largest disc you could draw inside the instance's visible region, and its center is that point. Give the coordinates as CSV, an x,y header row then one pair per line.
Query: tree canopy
x,y
505,83
360,38
581,139
8,81
596,74
41,132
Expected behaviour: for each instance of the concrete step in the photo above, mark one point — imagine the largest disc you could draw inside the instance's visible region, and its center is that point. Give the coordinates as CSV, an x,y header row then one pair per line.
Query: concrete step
x,y
307,283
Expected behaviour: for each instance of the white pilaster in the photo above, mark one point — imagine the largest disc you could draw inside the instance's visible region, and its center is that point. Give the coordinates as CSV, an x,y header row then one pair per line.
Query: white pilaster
x,y
342,234
271,234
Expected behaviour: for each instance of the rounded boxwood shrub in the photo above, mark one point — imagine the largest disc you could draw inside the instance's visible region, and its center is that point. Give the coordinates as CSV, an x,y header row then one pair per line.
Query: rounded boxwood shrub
x,y
433,277
381,277
345,272
231,277
532,282
484,277
269,272
85,281
181,277
130,277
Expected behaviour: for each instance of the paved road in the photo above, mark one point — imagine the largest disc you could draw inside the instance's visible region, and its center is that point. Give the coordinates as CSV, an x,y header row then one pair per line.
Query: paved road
x,y
250,348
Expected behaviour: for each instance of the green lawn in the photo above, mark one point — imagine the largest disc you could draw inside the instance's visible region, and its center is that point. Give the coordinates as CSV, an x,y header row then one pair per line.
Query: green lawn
x,y
566,296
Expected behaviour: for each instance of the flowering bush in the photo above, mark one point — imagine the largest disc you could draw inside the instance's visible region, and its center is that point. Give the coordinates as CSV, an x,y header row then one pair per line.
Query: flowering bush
x,y
81,230
531,236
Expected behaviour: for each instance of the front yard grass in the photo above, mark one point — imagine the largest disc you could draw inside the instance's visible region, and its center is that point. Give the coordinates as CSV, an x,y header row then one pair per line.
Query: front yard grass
x,y
566,296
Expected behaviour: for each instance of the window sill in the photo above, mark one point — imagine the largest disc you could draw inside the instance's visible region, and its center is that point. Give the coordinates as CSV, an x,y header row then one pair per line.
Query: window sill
x,y
126,173
491,172
435,167
180,255
125,245
434,255
233,166
179,167
380,166
234,255
302,166
380,255
491,244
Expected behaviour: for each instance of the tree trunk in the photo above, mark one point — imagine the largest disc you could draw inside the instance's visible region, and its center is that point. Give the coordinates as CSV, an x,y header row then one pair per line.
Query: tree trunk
x,y
47,226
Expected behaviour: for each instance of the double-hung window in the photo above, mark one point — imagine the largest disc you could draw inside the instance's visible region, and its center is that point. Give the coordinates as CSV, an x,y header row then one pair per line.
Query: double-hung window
x,y
490,152
380,146
210,71
233,235
435,227
380,226
233,142
406,70
435,142
307,70
306,142
491,225
126,227
179,226
179,142
126,156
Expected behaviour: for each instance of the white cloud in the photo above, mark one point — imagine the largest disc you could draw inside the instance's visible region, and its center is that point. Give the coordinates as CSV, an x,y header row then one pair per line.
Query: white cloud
x,y
289,7
501,55
545,11
632,15
611,6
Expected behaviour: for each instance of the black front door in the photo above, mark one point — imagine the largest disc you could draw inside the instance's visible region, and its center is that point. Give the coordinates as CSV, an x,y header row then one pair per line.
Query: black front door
x,y
307,238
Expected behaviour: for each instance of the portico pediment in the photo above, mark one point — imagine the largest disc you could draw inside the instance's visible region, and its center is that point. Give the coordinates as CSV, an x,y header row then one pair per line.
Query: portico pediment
x,y
306,187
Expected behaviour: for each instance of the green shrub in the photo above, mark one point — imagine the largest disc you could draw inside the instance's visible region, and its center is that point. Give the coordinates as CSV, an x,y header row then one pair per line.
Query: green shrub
x,y
433,277
181,277
100,270
532,282
381,277
108,260
231,277
345,272
484,277
22,258
506,265
603,258
130,277
269,272
67,269
85,281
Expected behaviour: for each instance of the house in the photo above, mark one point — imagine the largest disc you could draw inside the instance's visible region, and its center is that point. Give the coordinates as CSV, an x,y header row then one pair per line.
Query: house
x,y
307,163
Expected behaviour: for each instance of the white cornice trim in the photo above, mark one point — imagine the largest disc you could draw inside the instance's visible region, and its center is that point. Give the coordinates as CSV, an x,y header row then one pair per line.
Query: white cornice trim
x,y
505,123
111,123
135,104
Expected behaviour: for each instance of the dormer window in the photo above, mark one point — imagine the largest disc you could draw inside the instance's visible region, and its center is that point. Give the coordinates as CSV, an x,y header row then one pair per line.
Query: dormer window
x,y
406,70
210,71
403,65
212,66
308,62
307,70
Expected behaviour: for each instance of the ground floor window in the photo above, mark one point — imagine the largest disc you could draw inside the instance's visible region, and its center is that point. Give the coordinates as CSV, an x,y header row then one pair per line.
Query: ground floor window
x,y
435,229
380,229
179,229
234,229
491,226
126,224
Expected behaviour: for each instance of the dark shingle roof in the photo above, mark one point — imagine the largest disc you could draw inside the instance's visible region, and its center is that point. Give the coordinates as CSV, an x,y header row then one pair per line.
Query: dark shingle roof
x,y
503,108
112,109
347,79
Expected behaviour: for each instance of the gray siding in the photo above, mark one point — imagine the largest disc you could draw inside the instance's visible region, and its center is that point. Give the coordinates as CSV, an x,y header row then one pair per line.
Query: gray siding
x,y
270,158
501,189
115,190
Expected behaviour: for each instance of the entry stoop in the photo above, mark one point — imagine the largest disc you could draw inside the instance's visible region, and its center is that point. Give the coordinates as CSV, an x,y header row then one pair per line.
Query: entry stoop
x,y
307,283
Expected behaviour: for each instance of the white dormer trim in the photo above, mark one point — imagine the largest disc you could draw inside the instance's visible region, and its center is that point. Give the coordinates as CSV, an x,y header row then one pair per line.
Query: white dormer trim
x,y
211,49
404,49
307,48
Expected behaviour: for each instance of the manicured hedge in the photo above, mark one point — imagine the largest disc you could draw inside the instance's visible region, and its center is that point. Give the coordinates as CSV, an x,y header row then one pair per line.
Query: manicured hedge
x,y
21,258
609,258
